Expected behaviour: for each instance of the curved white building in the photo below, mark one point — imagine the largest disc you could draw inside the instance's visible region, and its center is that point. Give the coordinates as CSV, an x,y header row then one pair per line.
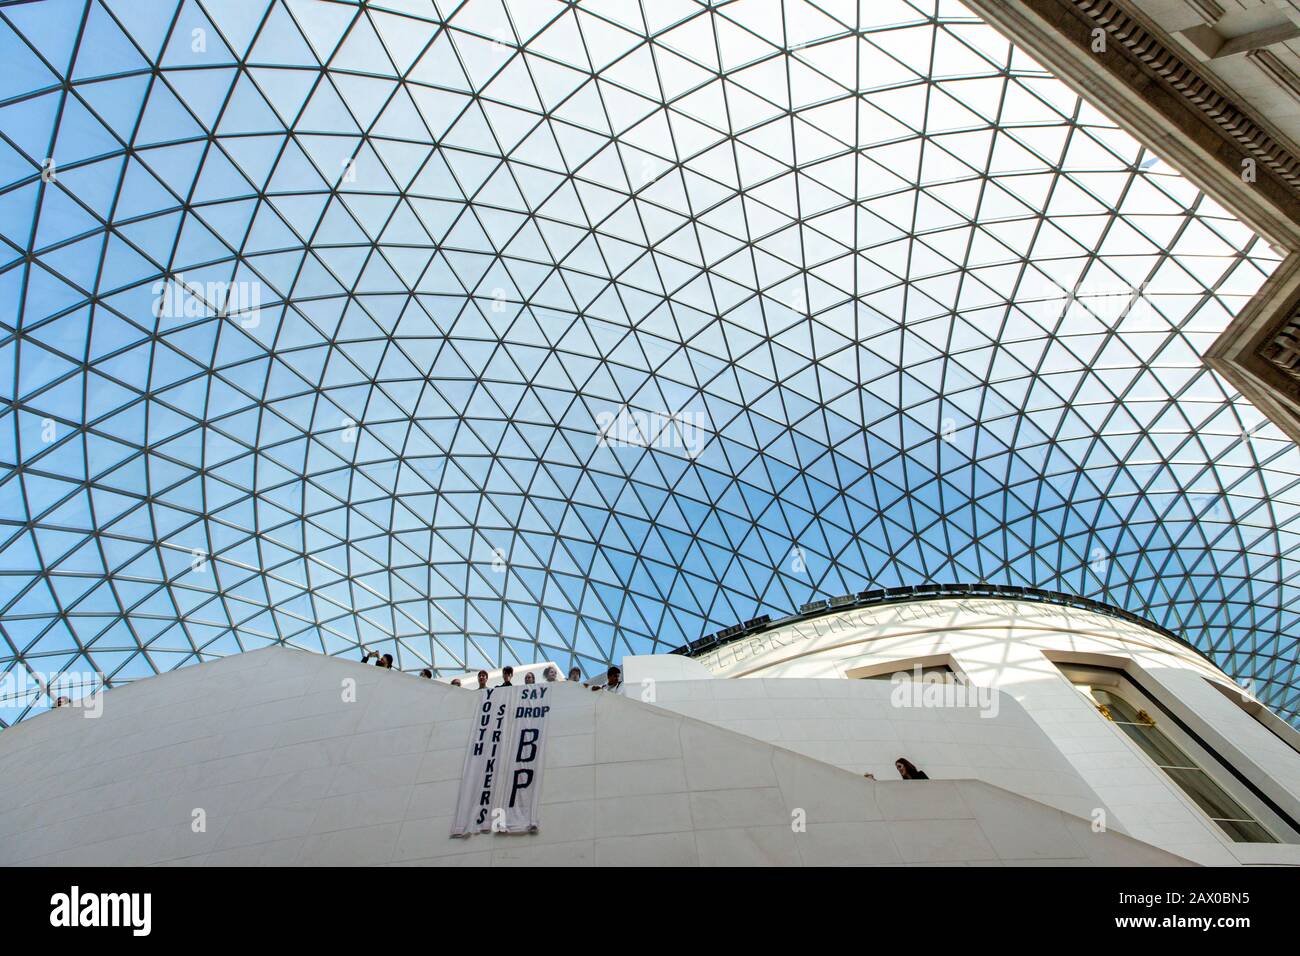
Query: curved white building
x,y
1049,734
1145,728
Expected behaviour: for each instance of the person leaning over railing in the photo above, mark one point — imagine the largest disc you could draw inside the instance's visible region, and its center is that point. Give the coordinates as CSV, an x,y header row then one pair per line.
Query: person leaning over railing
x,y
613,680
908,771
385,661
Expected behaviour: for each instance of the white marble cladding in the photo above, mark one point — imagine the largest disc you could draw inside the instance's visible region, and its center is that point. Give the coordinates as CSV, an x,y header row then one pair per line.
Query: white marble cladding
x,y
1007,646
286,772
857,725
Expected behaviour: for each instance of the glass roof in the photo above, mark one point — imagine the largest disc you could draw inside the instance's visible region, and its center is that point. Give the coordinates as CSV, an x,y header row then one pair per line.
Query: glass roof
x,y
493,332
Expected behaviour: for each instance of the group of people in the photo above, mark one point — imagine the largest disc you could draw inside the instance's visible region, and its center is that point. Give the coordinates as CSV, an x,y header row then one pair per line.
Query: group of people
x,y
613,681
613,676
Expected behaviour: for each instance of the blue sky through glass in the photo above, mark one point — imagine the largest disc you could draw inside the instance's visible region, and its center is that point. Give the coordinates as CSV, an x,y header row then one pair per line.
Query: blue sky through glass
x,y
496,332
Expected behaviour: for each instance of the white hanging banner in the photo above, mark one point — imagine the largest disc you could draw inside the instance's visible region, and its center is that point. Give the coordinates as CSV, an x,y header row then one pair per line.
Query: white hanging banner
x,y
522,783
500,786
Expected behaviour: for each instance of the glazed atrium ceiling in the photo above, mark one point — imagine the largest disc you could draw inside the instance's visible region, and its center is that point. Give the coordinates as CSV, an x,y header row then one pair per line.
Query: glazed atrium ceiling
x,y
494,332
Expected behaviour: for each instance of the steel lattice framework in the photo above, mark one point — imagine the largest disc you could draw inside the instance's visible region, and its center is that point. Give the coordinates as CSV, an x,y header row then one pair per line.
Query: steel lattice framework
x,y
500,331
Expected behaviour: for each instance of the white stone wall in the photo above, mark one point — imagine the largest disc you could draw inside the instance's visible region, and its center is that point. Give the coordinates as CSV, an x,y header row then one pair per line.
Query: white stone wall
x,y
1005,645
855,724
287,772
